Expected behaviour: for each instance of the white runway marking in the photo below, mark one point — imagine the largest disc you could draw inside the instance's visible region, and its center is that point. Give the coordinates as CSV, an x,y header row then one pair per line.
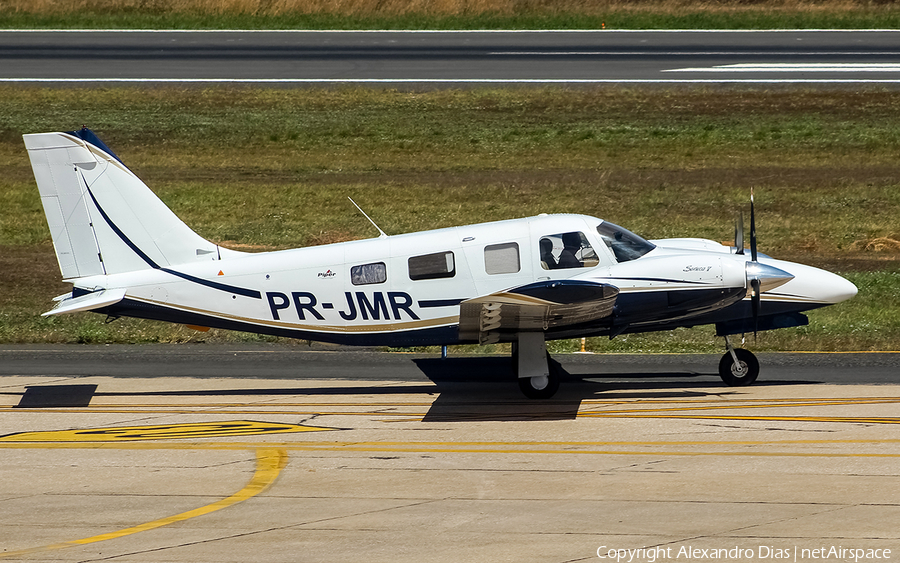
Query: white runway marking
x,y
695,54
795,67
459,31
458,80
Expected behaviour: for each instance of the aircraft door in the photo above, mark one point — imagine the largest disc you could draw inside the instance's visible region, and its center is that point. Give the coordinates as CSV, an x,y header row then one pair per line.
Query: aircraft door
x,y
498,263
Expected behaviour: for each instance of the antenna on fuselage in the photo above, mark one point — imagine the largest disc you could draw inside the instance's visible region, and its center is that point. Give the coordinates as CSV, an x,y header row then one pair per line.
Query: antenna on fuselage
x,y
383,234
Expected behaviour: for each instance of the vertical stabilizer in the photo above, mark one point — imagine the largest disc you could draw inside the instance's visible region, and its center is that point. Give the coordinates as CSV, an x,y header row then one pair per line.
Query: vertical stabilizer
x,y
103,219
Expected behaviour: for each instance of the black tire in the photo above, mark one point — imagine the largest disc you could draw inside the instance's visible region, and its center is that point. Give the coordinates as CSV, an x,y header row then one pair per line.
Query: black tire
x,y
527,384
750,367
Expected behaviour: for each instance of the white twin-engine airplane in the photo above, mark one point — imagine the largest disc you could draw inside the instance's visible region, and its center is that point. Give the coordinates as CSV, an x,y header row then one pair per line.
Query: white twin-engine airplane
x,y
521,281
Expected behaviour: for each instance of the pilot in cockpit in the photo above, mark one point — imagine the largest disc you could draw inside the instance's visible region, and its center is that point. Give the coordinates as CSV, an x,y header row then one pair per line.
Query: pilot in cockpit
x,y
571,245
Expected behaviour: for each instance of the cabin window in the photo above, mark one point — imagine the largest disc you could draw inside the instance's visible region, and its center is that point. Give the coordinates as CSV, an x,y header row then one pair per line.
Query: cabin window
x,y
501,258
432,266
567,250
367,274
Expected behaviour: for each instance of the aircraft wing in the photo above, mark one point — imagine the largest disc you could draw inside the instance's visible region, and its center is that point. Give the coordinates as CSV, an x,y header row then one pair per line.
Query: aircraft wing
x,y
534,307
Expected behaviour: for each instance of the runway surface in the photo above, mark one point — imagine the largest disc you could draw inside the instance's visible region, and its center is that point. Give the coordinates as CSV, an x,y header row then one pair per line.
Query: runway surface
x,y
395,457
442,58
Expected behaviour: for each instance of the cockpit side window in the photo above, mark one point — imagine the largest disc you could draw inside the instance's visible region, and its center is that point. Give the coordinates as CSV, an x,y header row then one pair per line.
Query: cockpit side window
x,y
624,244
567,250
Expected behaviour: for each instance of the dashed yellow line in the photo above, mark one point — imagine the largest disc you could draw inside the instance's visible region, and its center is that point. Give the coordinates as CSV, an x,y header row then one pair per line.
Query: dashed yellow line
x,y
749,448
397,411
269,463
786,404
834,419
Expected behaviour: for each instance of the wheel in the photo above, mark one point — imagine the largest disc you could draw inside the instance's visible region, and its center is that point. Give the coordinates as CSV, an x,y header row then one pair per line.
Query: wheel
x,y
742,374
540,387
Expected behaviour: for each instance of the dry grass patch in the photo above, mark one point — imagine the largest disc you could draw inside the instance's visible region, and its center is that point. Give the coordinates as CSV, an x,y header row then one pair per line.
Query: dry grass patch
x,y
878,244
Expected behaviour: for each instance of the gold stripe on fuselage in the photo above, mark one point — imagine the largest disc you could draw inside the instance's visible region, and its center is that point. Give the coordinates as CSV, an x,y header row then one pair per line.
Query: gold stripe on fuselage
x,y
390,327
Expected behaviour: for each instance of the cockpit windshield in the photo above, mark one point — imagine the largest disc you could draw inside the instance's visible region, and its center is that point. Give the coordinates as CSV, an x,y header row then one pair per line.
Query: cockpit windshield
x,y
624,244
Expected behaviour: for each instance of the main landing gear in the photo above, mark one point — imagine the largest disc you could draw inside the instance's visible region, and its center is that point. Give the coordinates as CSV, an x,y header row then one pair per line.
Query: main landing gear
x,y
538,376
738,367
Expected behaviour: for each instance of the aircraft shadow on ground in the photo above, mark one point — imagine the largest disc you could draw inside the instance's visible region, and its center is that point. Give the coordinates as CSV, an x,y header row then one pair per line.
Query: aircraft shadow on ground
x,y
486,389
468,390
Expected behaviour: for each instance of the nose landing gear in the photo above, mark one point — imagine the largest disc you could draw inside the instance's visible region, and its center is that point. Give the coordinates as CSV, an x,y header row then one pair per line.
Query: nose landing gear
x,y
738,367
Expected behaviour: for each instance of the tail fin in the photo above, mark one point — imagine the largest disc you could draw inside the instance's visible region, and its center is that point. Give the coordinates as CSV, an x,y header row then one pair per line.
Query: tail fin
x,y
103,219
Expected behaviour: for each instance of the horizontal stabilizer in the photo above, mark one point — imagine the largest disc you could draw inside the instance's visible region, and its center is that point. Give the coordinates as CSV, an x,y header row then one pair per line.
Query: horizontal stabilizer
x,y
535,307
87,302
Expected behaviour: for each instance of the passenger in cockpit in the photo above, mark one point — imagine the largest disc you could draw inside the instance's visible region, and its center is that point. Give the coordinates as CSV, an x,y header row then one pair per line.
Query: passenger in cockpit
x,y
548,262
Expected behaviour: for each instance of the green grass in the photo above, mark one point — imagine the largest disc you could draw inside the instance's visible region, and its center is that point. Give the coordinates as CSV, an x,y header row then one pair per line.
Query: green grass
x,y
877,16
665,163
272,168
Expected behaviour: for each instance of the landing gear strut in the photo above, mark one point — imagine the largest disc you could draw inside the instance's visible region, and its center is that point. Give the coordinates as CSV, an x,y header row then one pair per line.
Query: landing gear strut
x,y
532,365
738,367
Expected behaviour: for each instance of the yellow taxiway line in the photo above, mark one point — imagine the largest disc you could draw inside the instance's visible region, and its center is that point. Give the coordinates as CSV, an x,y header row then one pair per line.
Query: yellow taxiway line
x,y
556,448
269,463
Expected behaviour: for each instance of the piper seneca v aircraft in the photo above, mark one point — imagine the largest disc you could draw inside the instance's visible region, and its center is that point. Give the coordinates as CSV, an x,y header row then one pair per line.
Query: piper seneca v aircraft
x,y
522,281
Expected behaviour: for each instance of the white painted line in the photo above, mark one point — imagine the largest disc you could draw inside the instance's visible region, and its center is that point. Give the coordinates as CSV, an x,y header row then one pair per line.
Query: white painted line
x,y
455,80
698,53
795,67
439,31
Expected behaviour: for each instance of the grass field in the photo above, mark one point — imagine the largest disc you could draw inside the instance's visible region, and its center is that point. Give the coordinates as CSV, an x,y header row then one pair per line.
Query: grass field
x,y
272,168
450,14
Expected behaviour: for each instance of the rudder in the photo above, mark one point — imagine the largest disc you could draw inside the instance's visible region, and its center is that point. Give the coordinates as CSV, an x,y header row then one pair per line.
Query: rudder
x,y
103,219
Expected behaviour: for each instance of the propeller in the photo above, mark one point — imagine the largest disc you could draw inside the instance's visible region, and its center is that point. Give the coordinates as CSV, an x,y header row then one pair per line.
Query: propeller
x,y
752,229
754,282
739,234
760,277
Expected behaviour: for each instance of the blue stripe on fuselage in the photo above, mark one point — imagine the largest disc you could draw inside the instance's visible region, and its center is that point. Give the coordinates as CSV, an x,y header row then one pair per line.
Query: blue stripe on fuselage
x,y
214,285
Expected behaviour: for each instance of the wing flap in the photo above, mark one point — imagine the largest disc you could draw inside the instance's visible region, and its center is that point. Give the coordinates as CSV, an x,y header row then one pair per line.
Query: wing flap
x,y
87,302
534,307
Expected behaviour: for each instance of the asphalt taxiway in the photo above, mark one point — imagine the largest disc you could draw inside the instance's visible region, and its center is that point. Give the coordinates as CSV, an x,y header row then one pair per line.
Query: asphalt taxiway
x,y
419,458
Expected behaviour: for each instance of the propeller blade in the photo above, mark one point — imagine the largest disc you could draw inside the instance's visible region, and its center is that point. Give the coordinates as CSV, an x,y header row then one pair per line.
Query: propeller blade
x,y
739,234
752,229
754,302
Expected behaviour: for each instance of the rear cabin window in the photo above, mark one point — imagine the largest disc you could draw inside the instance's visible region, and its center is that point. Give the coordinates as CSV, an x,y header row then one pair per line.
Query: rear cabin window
x,y
501,258
367,274
567,250
432,266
